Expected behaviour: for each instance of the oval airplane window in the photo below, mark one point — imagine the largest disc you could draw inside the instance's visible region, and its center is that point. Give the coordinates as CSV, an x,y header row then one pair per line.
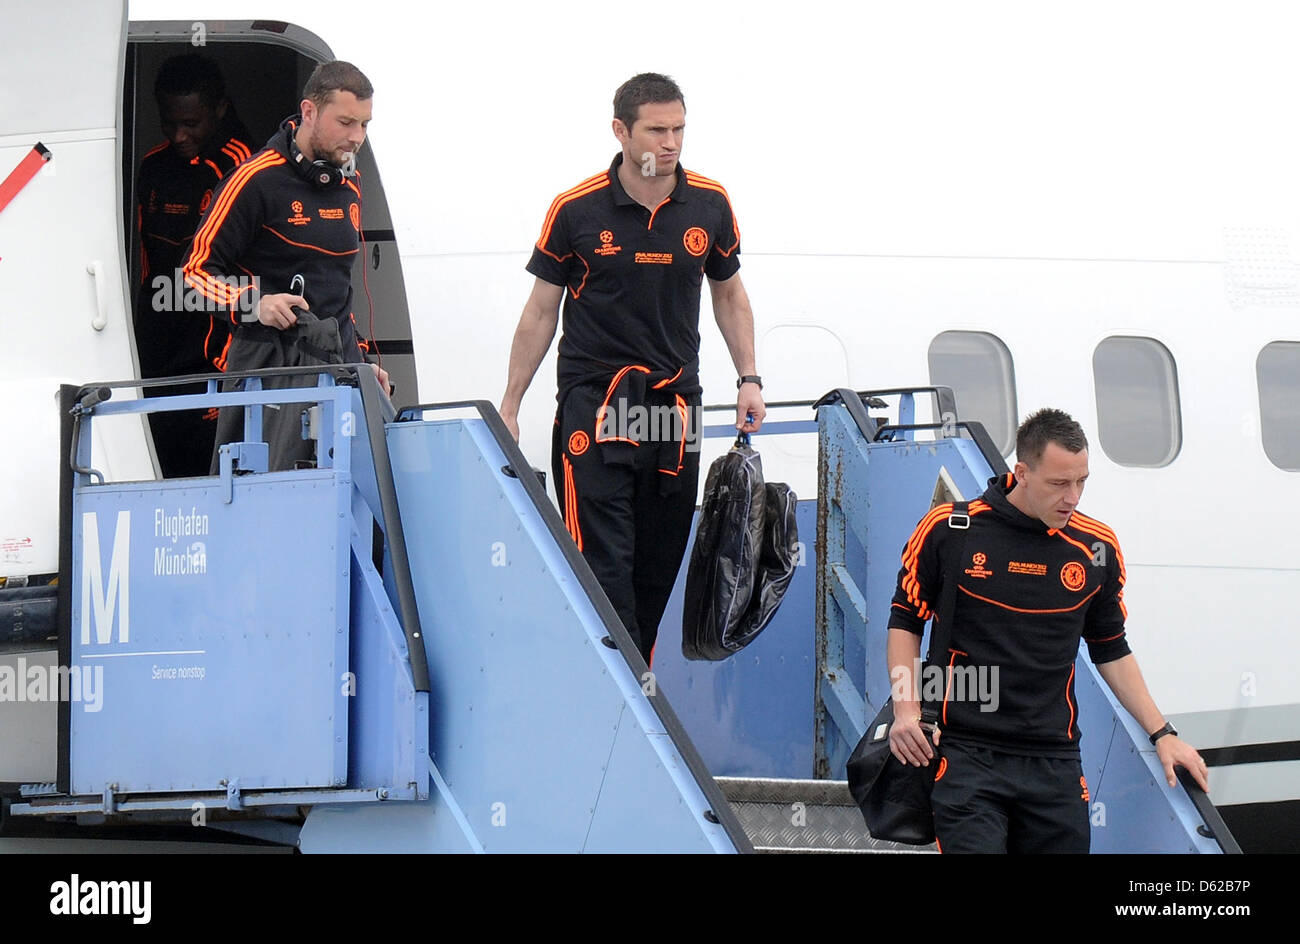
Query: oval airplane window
x,y
978,368
1138,416
1278,371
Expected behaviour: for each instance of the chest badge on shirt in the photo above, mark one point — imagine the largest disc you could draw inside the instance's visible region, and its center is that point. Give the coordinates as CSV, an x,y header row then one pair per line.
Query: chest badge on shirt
x,y
354,214
696,241
978,559
298,219
206,201
606,247
1073,576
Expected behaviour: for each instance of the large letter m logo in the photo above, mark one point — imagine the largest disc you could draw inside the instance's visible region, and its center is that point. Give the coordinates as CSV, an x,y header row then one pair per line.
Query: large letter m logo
x,y
93,592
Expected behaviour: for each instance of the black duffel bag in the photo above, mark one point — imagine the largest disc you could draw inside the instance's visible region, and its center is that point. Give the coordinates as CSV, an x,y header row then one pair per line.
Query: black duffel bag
x,y
746,550
894,797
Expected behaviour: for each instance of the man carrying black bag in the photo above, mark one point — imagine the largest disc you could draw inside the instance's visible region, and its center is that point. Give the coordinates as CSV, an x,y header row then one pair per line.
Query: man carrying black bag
x,y
627,251
1033,576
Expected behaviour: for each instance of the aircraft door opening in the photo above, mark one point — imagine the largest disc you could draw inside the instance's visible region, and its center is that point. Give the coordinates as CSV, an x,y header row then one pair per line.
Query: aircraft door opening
x,y
264,65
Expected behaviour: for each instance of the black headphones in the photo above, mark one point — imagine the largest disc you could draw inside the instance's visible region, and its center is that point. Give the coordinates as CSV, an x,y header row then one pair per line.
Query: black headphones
x,y
319,174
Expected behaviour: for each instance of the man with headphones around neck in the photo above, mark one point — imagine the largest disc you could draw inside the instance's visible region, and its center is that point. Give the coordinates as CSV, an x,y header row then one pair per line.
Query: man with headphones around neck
x,y
293,209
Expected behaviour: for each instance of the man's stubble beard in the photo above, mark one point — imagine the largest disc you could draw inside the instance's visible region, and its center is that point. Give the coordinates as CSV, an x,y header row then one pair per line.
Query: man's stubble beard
x,y
322,153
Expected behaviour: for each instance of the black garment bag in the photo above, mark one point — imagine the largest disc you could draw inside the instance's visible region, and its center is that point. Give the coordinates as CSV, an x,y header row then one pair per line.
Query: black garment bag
x,y
746,549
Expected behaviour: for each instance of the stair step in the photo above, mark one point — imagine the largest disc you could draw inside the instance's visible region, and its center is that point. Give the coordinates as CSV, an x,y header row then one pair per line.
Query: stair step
x,y
803,816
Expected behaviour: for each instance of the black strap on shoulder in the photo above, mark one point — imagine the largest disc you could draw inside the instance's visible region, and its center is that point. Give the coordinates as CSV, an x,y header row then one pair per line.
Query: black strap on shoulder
x,y
941,627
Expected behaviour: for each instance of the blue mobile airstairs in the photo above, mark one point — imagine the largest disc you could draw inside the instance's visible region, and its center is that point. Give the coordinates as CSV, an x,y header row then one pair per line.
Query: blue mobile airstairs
x,y
400,649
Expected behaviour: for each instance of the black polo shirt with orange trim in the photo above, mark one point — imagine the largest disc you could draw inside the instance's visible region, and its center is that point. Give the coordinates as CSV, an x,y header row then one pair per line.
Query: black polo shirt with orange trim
x,y
634,275
1026,595
267,221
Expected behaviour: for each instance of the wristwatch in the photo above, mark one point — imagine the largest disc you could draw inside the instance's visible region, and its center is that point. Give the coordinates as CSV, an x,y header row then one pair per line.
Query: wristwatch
x,y
1167,729
749,379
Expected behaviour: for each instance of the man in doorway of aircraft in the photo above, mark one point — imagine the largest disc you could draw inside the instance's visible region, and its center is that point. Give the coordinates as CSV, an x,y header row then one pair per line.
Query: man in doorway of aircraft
x,y
204,141
627,251
292,209
1036,575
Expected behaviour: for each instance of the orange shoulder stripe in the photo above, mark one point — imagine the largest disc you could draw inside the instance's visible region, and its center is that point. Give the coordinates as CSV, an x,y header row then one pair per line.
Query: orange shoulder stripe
x,y
1104,533
156,148
594,178
576,191
912,553
700,180
923,526
203,238
590,185
193,271
704,183
1096,527
709,185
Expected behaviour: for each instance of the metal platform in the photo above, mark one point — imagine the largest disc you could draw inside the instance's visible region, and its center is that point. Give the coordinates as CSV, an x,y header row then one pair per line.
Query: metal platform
x,y
789,816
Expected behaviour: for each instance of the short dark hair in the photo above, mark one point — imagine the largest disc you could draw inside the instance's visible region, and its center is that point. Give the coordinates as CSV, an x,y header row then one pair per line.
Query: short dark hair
x,y
337,76
1048,426
188,74
647,88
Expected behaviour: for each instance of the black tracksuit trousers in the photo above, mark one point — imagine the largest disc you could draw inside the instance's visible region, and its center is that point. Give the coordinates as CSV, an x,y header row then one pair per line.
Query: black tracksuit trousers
x,y
986,800
631,534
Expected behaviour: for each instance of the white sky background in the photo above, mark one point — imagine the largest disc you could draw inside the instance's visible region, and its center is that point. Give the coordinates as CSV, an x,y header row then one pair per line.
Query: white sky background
x,y
1077,130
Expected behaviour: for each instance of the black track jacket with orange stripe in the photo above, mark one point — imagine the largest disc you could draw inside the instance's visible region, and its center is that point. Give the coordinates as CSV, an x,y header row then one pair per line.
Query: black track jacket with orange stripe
x,y
269,223
1026,595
